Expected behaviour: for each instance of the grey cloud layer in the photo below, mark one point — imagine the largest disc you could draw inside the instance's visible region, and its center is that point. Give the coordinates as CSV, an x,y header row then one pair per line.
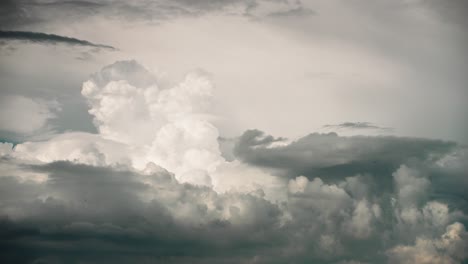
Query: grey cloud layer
x,y
334,155
21,13
101,214
27,12
333,158
119,216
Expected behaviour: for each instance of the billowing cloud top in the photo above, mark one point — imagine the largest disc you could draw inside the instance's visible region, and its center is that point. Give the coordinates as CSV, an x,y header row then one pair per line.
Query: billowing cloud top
x,y
154,186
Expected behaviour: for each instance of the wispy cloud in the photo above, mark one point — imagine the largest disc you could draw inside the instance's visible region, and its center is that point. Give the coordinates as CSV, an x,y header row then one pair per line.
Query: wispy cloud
x,y
39,37
358,125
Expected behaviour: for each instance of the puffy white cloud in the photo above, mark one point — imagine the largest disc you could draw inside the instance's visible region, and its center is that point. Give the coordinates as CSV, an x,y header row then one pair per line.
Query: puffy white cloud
x,y
5,148
138,123
236,176
411,186
361,223
332,207
298,185
418,216
450,248
19,114
436,214
165,125
317,196
142,122
77,147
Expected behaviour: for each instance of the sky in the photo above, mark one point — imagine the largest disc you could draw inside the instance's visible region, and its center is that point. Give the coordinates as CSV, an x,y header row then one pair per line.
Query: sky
x,y
233,131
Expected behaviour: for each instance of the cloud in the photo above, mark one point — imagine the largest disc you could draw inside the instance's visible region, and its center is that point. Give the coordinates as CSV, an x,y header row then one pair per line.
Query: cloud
x,y
150,216
77,147
152,186
450,248
357,125
335,156
22,115
171,126
32,11
412,187
38,37
116,214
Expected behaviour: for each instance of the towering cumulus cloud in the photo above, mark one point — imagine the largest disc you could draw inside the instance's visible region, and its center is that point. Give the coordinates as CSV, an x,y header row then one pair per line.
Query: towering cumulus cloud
x,y
165,125
153,186
140,122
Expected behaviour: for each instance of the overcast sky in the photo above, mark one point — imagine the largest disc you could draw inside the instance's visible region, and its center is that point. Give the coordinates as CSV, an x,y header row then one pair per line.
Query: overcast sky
x,y
234,131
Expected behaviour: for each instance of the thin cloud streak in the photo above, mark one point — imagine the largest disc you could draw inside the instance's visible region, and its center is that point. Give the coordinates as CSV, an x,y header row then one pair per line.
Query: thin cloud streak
x,y
358,125
39,37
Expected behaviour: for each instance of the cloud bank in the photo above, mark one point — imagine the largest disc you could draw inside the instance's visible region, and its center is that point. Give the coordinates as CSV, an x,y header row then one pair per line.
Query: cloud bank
x,y
153,186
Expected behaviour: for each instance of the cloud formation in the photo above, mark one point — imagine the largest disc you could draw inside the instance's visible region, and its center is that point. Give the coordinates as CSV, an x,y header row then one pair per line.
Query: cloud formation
x,y
20,13
122,216
333,155
149,216
39,37
152,186
22,115
357,125
449,248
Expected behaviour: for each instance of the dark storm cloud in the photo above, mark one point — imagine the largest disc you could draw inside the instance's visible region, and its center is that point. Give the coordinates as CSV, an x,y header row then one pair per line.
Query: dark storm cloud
x,y
93,214
103,212
358,125
38,37
375,158
334,156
